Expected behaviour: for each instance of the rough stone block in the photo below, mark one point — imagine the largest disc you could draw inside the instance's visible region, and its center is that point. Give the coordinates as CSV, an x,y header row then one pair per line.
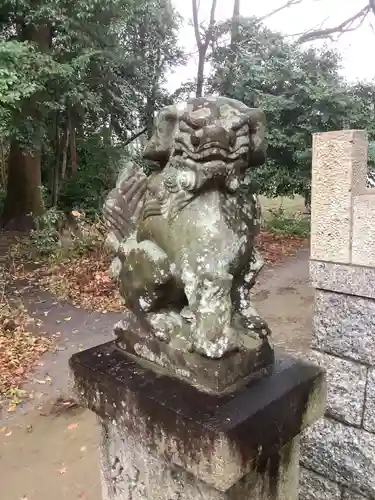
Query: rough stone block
x,y
344,325
363,236
339,169
369,416
346,382
343,278
341,453
315,487
218,441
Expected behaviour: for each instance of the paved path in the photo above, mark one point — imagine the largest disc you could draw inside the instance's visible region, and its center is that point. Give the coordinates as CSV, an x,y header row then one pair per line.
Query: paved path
x,y
38,452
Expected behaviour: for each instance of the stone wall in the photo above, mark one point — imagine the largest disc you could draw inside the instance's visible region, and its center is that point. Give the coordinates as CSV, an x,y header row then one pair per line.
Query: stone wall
x,y
338,453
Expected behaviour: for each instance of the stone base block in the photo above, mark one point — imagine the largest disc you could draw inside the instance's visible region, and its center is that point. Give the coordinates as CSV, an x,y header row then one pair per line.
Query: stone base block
x,y
163,439
346,381
343,278
132,471
344,326
341,453
216,376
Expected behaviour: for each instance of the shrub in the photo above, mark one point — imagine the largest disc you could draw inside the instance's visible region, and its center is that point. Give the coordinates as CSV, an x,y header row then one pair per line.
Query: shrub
x,y
297,225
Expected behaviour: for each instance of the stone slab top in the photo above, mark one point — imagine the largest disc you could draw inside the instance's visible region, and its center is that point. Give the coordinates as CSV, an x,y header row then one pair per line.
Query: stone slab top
x,y
217,438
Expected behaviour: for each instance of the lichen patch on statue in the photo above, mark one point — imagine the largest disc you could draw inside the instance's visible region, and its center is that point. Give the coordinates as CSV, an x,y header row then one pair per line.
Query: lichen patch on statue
x,y
184,236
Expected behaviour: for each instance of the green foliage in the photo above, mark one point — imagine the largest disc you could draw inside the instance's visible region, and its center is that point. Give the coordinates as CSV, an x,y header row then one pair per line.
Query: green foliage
x,y
371,156
95,176
25,73
297,225
79,79
301,92
57,236
45,238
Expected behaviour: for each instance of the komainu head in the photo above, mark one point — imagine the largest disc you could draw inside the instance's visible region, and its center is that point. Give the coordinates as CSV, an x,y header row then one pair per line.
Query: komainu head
x,y
209,129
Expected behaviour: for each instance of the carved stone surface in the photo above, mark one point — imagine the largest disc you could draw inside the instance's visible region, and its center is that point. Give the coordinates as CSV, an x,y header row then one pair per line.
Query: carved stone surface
x,y
184,237
312,486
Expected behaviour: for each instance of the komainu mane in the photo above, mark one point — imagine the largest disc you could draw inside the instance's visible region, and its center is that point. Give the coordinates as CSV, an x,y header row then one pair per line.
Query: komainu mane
x,y
184,236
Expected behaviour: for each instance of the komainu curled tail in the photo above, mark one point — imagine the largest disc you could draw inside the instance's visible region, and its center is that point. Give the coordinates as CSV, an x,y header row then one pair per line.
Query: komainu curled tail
x,y
124,204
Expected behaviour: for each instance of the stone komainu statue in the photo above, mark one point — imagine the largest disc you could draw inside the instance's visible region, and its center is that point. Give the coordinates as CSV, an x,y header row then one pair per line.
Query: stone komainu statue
x,y
184,236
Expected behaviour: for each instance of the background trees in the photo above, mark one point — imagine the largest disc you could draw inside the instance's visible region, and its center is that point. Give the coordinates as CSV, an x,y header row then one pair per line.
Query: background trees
x,y
80,82
301,92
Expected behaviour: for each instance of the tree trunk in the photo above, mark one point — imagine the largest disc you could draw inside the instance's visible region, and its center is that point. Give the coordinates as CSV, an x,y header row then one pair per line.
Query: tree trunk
x,y
235,30
227,87
24,197
3,175
24,194
200,72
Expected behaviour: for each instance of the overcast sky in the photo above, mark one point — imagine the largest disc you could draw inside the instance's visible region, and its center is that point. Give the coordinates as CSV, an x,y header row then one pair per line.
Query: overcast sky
x,y
356,47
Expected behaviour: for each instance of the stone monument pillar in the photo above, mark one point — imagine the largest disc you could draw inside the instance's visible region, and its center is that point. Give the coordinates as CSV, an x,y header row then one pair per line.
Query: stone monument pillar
x,y
338,452
192,400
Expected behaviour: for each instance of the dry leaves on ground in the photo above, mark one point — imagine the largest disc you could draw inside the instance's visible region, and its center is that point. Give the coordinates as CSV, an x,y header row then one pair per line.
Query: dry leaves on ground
x,y
275,247
20,348
85,282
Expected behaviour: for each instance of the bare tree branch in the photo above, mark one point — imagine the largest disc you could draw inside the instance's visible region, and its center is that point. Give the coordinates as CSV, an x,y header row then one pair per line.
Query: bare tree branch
x,y
344,27
289,3
135,136
196,23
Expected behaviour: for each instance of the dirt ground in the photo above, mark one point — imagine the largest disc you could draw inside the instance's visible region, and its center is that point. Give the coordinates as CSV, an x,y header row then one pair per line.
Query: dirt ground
x,y
48,450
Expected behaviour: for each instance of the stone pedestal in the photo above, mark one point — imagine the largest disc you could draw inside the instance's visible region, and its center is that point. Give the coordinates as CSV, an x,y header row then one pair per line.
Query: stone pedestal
x,y
338,452
162,439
